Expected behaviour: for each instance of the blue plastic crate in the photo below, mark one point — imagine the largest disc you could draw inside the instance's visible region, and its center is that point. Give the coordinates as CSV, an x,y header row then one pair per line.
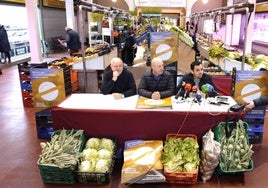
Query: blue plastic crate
x,y
255,128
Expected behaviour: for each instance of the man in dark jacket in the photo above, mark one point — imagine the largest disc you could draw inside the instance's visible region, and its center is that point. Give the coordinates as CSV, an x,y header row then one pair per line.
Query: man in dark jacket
x,y
256,103
118,81
198,78
158,83
72,40
130,49
4,43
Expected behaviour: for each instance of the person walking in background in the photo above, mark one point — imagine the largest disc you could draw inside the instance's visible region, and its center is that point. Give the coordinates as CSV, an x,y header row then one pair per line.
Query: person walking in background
x,y
158,83
118,81
4,44
256,103
72,41
130,48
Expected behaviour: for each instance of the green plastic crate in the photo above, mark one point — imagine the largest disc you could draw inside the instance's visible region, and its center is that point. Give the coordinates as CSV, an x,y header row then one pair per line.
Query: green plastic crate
x,y
53,174
219,133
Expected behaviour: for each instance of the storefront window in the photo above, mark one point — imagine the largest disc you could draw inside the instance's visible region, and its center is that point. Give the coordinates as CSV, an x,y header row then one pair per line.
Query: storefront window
x,y
14,19
260,28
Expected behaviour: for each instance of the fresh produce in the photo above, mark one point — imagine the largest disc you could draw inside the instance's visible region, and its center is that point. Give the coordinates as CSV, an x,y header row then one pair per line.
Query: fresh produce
x,y
183,36
181,154
255,61
63,150
236,152
209,156
217,51
97,155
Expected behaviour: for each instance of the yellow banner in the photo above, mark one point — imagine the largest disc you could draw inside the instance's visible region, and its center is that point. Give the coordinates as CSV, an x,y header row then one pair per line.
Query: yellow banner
x,y
48,87
250,85
145,103
165,46
54,3
18,1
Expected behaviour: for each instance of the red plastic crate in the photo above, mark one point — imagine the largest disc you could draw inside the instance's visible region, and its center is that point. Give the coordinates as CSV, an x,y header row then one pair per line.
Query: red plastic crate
x,y
181,177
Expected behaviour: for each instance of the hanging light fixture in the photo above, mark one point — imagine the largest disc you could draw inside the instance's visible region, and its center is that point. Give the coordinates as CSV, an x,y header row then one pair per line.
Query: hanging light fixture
x,y
205,1
114,1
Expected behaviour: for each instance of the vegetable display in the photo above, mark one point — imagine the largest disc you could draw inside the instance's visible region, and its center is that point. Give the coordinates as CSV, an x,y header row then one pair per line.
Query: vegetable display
x,y
181,154
183,36
217,51
63,150
97,155
236,152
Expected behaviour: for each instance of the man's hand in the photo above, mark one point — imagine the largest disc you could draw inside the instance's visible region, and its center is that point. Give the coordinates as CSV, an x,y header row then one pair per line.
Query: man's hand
x,y
156,95
118,96
115,75
249,106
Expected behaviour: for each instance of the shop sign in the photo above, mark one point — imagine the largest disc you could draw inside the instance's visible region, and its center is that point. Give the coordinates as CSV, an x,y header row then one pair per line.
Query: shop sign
x,y
54,3
18,1
161,3
21,50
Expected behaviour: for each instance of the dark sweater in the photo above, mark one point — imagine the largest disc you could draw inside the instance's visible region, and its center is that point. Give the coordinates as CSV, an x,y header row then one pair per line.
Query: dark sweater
x,y
149,84
73,40
261,101
124,84
189,78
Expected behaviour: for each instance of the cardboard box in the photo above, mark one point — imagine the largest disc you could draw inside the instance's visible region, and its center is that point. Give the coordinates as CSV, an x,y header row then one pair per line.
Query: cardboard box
x,y
142,162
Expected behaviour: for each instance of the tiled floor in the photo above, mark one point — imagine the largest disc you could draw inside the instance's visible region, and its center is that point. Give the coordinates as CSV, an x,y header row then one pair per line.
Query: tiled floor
x,y
20,149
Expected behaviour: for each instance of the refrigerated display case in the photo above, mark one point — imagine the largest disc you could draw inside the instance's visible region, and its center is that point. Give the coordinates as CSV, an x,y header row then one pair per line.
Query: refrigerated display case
x,y
19,41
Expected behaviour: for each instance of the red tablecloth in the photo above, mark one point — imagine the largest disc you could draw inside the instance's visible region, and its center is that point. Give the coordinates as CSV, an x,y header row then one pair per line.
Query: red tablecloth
x,y
224,84
135,124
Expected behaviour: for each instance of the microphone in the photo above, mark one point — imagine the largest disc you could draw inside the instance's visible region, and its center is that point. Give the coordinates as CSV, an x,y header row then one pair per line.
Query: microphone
x,y
187,89
204,88
180,90
194,89
198,97
209,90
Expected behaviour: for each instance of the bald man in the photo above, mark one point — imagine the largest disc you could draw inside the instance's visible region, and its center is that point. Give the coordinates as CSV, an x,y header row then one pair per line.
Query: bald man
x,y
118,81
158,83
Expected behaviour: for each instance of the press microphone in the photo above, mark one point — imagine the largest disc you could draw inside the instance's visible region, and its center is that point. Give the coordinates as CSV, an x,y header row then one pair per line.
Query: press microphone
x,y
194,89
209,90
187,89
204,88
180,90
197,97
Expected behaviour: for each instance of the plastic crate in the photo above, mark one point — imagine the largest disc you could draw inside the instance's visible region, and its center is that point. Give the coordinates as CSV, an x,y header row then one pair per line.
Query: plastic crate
x,y
51,173
98,177
181,177
219,134
95,177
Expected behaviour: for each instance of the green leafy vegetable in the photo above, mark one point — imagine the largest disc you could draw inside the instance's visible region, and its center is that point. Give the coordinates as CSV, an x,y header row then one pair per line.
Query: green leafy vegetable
x,y
181,154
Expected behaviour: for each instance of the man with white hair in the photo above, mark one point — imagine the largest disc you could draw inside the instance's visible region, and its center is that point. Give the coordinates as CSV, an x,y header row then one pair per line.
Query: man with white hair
x,y
118,81
158,83
72,40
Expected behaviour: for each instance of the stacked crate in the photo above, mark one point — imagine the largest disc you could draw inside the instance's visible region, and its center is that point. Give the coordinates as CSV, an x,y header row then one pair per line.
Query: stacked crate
x,y
255,119
44,124
67,79
74,80
25,84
